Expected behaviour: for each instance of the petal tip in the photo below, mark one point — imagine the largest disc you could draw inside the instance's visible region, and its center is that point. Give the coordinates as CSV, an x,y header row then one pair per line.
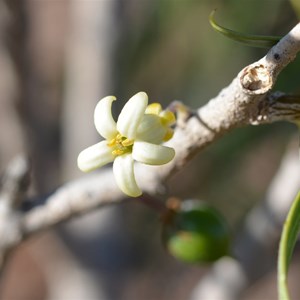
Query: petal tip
x,y
111,98
81,162
103,119
103,101
135,195
94,157
141,97
142,94
123,169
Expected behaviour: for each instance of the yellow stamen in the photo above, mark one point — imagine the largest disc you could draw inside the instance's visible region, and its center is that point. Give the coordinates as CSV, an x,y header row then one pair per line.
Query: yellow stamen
x,y
120,145
119,137
127,142
112,142
117,152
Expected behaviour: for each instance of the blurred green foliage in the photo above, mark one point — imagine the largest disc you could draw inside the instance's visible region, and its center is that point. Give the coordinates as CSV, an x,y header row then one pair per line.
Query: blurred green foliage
x,y
296,7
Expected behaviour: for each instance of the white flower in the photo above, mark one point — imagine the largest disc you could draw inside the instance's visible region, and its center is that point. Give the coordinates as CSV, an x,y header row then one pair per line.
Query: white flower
x,y
137,135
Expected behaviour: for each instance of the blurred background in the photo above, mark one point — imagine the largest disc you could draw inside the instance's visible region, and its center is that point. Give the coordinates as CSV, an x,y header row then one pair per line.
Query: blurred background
x,y
58,58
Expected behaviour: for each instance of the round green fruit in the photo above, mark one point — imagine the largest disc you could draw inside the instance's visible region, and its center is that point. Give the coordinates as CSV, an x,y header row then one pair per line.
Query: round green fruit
x,y
195,233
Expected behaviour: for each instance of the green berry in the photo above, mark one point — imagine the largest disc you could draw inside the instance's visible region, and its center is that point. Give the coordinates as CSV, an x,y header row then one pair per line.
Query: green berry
x,y
196,232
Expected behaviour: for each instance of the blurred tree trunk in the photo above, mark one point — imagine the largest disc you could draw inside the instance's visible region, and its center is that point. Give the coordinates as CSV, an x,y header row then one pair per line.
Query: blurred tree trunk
x,y
89,63
11,139
88,76
62,55
36,46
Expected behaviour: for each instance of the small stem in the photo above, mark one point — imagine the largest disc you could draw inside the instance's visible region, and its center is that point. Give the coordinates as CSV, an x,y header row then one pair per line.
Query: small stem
x,y
153,203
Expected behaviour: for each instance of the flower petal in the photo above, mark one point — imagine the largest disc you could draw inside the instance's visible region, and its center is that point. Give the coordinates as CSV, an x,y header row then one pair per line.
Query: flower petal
x,y
154,109
151,129
104,122
95,157
168,117
152,154
124,174
132,114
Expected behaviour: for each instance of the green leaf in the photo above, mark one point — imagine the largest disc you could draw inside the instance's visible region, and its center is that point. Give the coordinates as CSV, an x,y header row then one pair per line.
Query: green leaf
x,y
261,41
287,243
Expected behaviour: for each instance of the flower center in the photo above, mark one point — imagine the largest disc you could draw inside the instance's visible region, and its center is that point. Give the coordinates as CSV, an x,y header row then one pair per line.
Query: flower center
x,y
120,145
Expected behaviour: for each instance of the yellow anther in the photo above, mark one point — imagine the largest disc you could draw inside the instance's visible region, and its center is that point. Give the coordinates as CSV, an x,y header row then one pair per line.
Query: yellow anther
x,y
112,142
119,137
153,109
127,142
120,145
169,134
117,152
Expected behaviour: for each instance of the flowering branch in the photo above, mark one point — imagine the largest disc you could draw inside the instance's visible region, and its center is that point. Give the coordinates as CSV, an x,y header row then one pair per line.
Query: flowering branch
x,y
247,100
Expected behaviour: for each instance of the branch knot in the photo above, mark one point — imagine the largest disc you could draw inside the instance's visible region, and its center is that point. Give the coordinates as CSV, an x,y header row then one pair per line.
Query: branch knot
x,y
256,79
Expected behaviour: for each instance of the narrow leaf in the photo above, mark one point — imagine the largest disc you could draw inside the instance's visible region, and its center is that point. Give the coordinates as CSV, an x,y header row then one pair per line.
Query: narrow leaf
x,y
260,41
287,243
